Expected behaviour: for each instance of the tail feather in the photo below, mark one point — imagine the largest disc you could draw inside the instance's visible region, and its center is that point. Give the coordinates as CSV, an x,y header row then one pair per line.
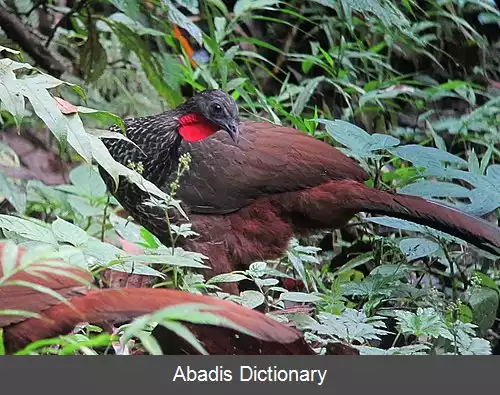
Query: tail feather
x,y
122,305
474,230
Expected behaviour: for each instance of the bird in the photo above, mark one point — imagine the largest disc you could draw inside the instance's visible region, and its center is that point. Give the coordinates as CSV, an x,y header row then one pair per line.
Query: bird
x,y
246,199
153,143
23,288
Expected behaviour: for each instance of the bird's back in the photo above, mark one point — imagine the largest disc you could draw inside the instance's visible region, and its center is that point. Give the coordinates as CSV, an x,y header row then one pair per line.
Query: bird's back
x,y
269,159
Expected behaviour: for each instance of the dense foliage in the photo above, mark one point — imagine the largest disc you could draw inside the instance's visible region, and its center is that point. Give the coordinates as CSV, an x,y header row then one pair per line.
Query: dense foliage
x,y
410,89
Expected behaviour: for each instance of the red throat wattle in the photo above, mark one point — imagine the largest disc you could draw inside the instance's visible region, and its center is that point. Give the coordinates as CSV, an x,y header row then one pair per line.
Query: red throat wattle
x,y
194,127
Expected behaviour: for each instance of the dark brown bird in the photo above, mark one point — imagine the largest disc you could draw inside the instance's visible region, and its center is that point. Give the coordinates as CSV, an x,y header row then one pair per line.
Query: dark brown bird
x,y
247,200
264,335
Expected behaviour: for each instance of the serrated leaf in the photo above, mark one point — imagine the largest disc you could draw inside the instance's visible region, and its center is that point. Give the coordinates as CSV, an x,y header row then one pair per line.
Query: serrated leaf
x,y
350,326
425,322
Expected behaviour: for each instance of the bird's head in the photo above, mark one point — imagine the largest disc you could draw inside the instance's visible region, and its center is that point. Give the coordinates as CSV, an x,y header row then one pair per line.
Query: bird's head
x,y
208,112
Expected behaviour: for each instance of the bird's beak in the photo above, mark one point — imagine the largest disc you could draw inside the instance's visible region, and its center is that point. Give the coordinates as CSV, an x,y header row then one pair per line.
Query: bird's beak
x,y
233,128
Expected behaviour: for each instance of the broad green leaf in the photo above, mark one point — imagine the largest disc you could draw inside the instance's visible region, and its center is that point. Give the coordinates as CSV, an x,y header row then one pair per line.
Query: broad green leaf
x,y
165,260
243,6
403,224
434,189
101,116
68,233
12,193
484,303
427,157
87,181
356,138
251,299
10,98
10,254
130,7
300,297
227,278
415,248
191,5
27,229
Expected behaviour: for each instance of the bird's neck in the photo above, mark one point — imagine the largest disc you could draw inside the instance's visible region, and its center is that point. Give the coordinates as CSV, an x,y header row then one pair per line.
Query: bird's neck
x,y
194,127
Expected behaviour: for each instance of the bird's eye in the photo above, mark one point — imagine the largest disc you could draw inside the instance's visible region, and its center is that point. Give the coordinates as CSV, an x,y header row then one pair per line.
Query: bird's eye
x,y
216,109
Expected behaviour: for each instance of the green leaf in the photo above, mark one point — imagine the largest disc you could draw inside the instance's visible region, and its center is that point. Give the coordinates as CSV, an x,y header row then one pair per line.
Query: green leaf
x,y
435,189
27,229
129,7
102,116
485,280
166,260
413,227
251,299
191,5
305,95
300,297
93,59
425,322
68,233
243,6
8,261
484,303
415,248
428,157
356,138
386,93
258,269
393,270
12,193
227,278
10,97
350,326
87,181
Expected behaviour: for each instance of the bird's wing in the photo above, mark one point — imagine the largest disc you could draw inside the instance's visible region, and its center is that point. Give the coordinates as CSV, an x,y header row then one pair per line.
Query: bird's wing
x,y
269,159
34,287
